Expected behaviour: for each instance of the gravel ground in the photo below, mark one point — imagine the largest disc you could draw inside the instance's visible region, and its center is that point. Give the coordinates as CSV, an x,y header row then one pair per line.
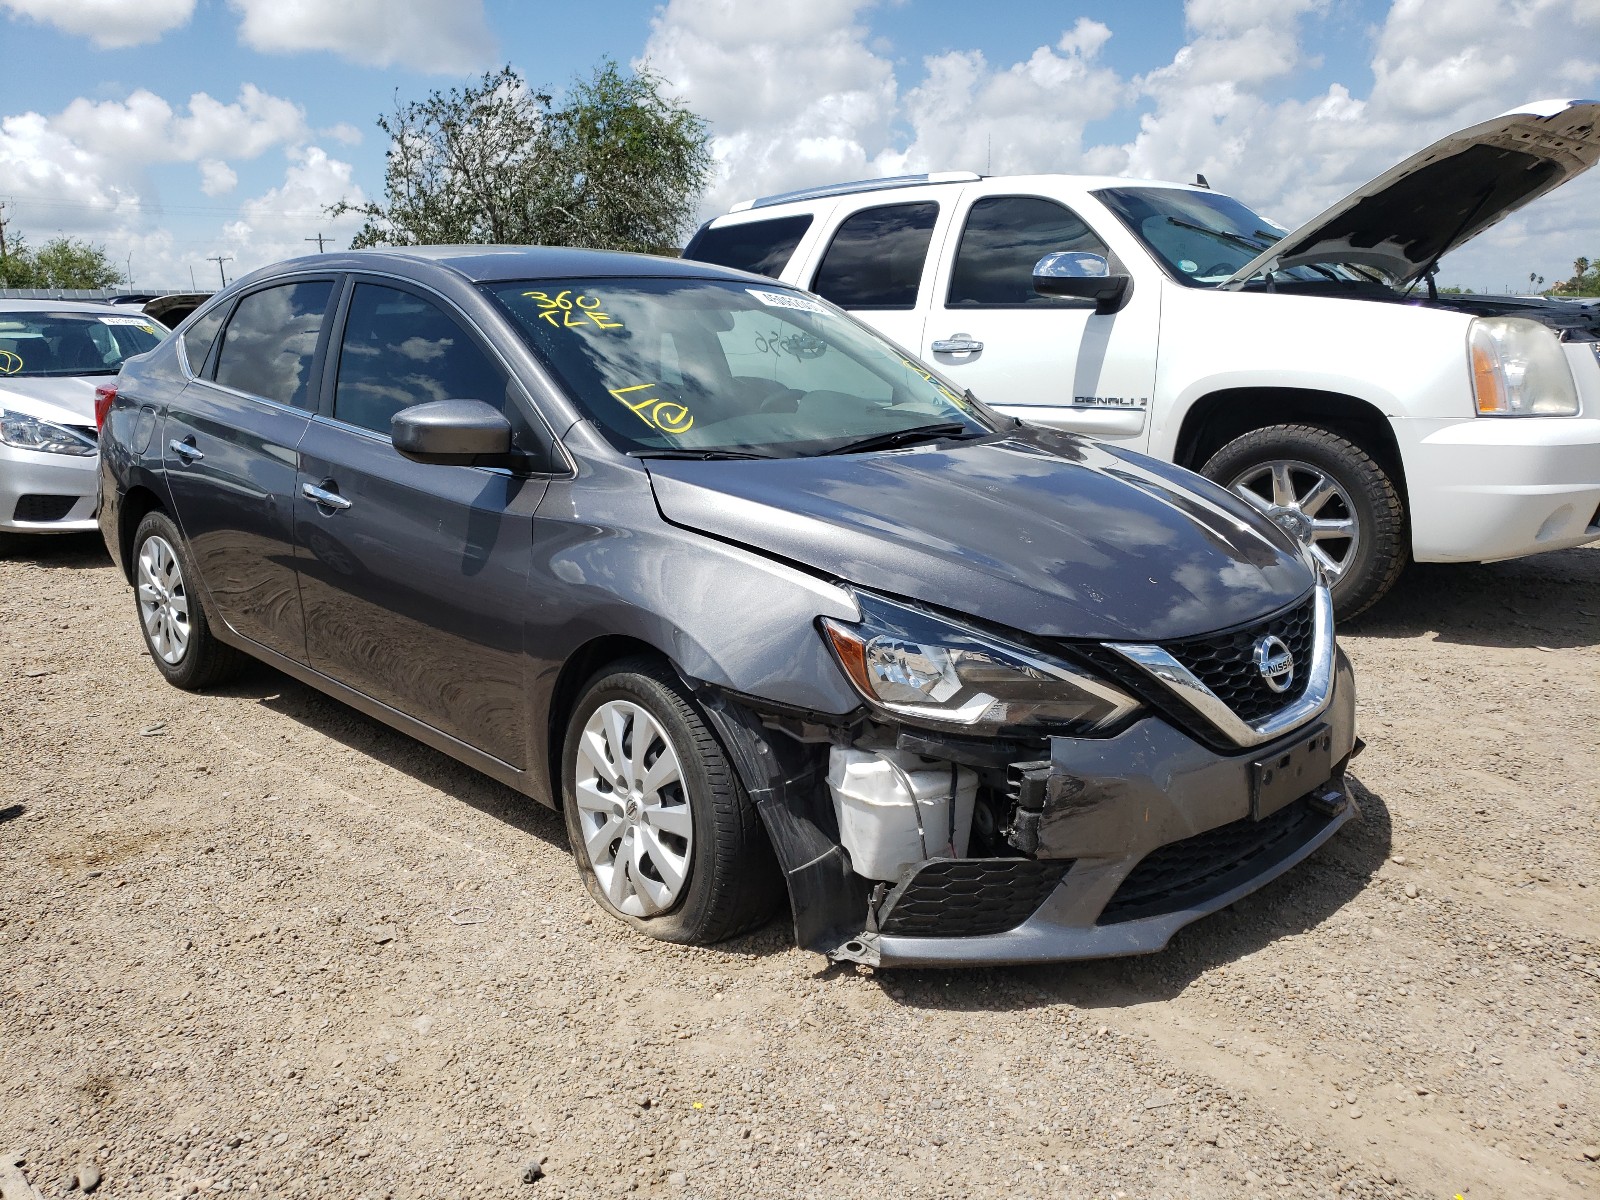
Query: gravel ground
x,y
254,941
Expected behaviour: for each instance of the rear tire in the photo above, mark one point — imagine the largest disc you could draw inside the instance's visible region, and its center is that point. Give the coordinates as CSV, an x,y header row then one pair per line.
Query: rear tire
x,y
664,834
171,617
1277,469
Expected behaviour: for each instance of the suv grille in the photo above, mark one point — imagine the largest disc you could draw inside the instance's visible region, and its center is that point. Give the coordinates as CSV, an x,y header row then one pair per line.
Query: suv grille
x,y
43,508
1182,874
1225,662
968,897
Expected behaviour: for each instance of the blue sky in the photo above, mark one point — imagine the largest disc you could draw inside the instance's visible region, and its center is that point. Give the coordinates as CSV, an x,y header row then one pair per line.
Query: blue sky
x,y
1285,103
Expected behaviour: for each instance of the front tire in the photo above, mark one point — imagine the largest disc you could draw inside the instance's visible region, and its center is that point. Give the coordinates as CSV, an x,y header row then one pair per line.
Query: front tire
x,y
664,834
1331,495
176,631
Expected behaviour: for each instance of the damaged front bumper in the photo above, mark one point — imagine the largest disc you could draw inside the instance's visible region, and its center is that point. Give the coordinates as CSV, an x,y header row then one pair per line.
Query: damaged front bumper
x,y
1138,836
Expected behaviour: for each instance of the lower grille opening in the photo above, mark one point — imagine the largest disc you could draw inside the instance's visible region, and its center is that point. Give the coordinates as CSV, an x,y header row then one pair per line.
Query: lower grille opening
x,y
969,897
1201,868
43,508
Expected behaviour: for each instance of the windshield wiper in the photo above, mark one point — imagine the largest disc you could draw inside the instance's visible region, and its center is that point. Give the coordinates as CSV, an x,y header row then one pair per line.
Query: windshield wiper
x,y
901,437
1238,239
701,455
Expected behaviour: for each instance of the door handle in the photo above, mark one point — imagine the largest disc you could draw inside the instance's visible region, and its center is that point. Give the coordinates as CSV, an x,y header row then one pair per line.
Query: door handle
x,y
323,497
185,451
960,343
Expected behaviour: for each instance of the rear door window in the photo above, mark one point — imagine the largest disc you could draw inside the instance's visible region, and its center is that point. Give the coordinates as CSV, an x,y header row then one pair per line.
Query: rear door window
x,y
400,349
269,344
876,257
763,247
1004,237
198,339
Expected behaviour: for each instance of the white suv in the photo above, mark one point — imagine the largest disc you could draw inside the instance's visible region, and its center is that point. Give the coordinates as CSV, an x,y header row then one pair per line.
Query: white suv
x,y
1317,373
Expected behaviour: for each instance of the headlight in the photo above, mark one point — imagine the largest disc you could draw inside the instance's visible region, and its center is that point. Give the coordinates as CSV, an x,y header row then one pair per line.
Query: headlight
x,y
938,673
30,433
1520,370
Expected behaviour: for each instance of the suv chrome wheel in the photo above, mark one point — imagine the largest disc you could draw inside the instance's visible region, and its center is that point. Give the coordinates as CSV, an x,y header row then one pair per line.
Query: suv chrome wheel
x,y
163,599
633,808
1308,504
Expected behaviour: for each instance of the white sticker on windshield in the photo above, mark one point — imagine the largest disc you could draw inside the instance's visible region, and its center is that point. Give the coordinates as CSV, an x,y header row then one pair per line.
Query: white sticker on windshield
x,y
787,300
137,322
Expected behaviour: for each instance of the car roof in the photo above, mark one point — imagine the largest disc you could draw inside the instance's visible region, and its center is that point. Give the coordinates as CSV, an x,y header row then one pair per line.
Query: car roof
x,y
490,264
61,306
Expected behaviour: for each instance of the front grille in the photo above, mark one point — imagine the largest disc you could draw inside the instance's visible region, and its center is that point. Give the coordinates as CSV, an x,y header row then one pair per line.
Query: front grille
x,y
1225,662
1200,868
43,508
969,897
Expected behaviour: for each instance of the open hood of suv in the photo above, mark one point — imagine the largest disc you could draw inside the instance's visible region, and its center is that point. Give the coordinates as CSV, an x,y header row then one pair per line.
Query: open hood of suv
x,y
1446,194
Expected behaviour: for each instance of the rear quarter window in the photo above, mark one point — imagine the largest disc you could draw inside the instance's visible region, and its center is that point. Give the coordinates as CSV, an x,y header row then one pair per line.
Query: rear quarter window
x,y
876,257
762,247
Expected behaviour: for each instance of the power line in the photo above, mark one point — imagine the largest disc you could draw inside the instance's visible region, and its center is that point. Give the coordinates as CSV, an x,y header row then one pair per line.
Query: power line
x,y
219,259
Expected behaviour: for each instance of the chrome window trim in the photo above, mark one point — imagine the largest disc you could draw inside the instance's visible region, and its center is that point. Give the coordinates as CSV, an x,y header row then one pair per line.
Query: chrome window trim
x,y
1183,683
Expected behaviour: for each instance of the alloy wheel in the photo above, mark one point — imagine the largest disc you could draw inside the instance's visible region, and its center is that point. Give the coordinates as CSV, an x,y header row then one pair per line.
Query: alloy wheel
x,y
163,599
1308,504
633,809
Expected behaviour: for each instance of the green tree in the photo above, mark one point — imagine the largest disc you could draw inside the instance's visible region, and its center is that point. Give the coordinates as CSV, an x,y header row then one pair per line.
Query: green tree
x,y
618,166
61,262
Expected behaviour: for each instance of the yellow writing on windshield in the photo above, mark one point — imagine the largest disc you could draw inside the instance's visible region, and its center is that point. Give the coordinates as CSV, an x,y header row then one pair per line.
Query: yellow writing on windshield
x,y
934,379
666,415
565,310
10,363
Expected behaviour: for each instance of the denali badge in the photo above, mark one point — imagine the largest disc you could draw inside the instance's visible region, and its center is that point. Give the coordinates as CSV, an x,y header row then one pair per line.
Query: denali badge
x,y
1275,663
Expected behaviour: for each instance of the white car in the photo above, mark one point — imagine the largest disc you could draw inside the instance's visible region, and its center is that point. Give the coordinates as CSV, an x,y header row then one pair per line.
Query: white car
x,y
53,355
1317,373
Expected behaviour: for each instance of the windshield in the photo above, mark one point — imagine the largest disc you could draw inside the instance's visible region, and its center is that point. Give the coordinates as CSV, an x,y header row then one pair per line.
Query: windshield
x,y
44,343
705,366
1203,238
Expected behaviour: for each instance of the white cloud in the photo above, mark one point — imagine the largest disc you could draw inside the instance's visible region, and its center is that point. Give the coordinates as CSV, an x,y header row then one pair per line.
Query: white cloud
x,y
145,129
107,23
275,225
217,178
449,37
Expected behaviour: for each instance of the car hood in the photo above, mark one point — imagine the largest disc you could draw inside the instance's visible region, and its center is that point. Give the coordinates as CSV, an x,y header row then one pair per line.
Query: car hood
x,y
64,399
1035,530
1446,194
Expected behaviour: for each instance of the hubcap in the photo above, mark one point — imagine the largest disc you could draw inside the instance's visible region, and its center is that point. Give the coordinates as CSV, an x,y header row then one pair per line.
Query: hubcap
x,y
163,600
633,809
1308,504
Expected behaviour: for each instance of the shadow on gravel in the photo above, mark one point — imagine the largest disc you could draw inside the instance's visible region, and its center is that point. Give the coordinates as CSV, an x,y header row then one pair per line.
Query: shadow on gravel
x,y
56,551
330,718
1295,903
1550,600
11,812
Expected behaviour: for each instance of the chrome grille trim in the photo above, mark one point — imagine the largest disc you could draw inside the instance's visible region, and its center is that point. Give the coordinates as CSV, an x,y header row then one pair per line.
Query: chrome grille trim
x,y
1184,684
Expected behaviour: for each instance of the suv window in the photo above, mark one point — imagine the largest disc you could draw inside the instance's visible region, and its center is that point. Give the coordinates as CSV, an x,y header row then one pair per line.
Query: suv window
x,y
400,349
201,336
271,339
876,257
1005,236
763,247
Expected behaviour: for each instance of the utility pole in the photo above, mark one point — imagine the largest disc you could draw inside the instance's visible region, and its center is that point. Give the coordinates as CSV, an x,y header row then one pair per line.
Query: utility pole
x,y
2,230
219,259
130,268
319,239
193,286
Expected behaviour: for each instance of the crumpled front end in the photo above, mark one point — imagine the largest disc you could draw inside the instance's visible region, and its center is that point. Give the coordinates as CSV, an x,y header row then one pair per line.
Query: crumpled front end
x,y
1059,848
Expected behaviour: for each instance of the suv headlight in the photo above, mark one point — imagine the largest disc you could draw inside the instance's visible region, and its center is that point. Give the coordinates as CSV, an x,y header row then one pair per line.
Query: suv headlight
x,y
936,672
30,433
1519,370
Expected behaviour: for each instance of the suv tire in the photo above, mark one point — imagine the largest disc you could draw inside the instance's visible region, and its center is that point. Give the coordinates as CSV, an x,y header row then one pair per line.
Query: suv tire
x,y
684,857
1310,480
176,630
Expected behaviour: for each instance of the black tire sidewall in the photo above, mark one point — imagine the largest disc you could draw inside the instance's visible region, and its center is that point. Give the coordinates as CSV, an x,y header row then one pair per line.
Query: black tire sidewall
x,y
689,919
1378,510
189,671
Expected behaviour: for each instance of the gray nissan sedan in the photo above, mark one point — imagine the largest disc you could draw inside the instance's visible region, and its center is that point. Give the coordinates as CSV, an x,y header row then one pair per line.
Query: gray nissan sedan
x,y
764,606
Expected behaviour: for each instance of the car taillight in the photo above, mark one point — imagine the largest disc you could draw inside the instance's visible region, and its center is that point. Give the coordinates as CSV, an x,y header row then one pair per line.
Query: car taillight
x,y
103,396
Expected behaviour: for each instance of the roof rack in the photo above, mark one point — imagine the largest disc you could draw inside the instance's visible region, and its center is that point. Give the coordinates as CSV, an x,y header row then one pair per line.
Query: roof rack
x,y
861,185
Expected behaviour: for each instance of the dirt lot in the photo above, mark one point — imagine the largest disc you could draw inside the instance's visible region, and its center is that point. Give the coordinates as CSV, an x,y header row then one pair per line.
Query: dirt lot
x,y
253,941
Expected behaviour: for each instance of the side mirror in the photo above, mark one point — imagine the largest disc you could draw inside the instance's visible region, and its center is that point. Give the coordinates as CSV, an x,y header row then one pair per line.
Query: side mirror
x,y
462,433
1085,276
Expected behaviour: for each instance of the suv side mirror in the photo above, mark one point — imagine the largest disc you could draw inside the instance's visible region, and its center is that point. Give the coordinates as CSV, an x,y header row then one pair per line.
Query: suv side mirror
x,y
463,433
1086,276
